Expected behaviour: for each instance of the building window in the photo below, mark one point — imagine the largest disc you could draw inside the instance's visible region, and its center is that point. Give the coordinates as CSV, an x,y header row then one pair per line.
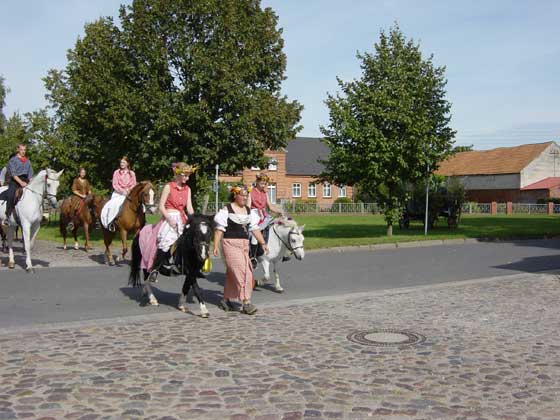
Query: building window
x,y
272,193
326,190
312,190
272,165
342,191
296,190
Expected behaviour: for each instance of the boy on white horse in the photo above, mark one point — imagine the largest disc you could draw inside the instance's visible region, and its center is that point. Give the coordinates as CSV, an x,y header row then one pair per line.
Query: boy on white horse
x,y
21,172
258,202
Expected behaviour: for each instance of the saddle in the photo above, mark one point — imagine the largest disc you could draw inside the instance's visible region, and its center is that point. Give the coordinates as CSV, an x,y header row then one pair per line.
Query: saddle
x,y
17,197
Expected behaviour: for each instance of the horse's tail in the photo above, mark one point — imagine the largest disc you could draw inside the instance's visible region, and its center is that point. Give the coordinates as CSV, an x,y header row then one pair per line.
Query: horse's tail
x,y
134,277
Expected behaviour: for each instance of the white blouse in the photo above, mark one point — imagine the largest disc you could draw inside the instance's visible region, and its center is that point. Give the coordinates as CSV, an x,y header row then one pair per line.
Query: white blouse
x,y
221,219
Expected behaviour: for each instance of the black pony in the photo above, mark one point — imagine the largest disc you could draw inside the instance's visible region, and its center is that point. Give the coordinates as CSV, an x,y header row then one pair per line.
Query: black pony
x,y
192,249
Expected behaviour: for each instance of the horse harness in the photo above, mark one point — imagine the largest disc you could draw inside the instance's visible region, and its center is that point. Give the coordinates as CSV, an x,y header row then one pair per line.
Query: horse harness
x,y
45,194
287,245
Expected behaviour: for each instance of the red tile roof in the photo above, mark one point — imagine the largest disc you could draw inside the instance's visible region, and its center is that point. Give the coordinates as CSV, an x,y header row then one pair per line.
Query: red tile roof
x,y
503,160
544,184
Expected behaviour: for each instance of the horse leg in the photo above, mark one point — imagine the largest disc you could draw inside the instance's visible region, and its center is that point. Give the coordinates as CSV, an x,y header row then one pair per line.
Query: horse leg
x,y
124,248
10,236
86,233
266,268
277,287
107,239
26,231
182,306
34,232
63,231
147,291
198,293
75,233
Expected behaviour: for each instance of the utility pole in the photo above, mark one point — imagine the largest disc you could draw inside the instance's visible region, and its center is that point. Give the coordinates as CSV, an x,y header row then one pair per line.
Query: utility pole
x,y
216,188
427,192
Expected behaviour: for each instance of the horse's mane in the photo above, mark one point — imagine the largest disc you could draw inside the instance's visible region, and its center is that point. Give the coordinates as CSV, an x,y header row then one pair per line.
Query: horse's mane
x,y
290,223
39,178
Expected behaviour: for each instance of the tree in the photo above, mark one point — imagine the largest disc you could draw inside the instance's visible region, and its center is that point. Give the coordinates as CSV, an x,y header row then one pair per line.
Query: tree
x,y
459,149
389,128
3,93
197,81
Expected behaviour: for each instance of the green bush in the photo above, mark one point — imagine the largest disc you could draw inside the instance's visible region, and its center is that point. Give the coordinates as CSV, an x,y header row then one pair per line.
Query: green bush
x,y
554,200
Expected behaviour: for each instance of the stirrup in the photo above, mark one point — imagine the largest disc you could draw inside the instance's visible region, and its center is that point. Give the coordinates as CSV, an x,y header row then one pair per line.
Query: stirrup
x,y
254,262
70,226
152,277
111,227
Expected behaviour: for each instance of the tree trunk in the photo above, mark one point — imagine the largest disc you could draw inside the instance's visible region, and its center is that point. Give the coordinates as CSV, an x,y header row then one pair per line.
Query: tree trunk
x,y
389,229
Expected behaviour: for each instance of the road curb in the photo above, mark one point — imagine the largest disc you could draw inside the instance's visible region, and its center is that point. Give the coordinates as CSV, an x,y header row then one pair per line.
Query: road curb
x,y
427,243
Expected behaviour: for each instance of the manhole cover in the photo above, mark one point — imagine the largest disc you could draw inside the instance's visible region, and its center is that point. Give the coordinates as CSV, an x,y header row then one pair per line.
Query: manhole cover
x,y
386,337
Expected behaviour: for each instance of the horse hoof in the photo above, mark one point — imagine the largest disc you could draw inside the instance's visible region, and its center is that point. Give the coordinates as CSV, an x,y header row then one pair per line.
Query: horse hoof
x,y
64,247
183,309
118,259
30,270
205,315
76,247
279,290
11,265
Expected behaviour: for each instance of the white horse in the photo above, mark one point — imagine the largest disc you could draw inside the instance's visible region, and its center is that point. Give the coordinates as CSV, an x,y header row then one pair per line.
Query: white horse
x,y
285,238
30,211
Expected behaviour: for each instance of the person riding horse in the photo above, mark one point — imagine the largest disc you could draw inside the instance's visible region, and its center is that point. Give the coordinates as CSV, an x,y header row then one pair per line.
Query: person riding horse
x,y
124,180
21,172
174,201
258,201
81,188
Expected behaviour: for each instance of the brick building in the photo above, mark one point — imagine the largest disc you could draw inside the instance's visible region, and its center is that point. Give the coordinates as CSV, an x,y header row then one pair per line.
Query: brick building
x,y
521,174
293,173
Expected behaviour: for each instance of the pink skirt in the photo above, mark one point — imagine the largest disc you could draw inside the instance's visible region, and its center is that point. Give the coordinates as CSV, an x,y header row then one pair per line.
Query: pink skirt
x,y
239,271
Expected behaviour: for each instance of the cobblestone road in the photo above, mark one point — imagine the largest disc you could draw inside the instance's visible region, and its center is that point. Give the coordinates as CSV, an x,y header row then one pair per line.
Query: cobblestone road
x,y
491,352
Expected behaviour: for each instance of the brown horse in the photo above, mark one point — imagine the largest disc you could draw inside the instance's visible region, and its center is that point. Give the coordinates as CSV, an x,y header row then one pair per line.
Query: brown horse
x,y
80,213
132,217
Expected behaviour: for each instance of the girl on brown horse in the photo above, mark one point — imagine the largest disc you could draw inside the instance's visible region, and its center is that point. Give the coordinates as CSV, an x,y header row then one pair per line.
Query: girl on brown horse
x,y
131,218
85,216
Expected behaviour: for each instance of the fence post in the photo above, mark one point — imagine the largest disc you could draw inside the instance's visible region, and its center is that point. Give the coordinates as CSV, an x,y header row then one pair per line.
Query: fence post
x,y
362,206
509,208
494,208
550,208
340,207
470,208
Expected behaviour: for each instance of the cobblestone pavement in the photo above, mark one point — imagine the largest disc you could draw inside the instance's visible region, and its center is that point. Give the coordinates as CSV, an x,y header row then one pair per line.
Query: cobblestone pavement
x,y
491,352
52,254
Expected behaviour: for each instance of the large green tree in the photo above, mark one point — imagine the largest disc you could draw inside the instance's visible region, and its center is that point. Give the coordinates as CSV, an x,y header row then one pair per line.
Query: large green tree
x,y
195,80
391,126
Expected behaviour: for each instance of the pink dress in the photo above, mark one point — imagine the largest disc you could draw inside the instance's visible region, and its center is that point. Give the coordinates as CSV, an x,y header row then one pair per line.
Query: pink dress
x,y
258,201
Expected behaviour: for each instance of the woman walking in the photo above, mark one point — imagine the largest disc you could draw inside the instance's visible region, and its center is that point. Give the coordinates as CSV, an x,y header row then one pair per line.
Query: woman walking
x,y
233,224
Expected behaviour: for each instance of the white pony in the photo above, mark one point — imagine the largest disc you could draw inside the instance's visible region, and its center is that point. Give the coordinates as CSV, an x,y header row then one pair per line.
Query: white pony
x,y
30,211
285,238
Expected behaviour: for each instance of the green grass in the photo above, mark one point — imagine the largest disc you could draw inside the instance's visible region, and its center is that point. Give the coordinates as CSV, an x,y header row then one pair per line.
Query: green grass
x,y
326,231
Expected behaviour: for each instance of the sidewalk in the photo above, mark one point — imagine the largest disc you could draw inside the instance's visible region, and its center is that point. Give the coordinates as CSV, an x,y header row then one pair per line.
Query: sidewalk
x,y
491,351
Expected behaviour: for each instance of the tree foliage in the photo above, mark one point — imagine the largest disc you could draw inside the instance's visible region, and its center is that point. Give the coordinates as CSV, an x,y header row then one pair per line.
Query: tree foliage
x,y
389,126
197,81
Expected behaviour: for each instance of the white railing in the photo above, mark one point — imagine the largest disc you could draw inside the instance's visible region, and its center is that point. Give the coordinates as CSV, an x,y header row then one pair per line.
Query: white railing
x,y
477,208
529,208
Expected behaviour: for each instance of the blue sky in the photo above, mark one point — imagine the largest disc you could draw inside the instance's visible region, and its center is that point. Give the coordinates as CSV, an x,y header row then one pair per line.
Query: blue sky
x,y
502,57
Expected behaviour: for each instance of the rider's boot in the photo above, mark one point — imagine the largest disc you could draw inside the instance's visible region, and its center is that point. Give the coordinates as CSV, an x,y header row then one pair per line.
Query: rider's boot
x,y
9,210
159,260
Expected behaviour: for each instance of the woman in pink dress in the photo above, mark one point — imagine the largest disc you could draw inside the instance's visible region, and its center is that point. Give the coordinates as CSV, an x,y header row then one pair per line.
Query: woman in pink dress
x,y
124,180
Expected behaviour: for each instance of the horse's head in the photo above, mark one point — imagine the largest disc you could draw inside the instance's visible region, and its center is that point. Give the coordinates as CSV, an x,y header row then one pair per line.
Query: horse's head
x,y
143,194
52,181
294,238
202,228
147,195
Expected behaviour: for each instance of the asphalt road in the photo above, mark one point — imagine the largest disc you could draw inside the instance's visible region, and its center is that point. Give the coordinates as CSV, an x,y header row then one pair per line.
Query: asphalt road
x,y
54,295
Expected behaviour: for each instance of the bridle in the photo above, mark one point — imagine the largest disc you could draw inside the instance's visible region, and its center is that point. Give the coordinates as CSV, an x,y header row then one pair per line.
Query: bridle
x,y
45,194
287,245
140,204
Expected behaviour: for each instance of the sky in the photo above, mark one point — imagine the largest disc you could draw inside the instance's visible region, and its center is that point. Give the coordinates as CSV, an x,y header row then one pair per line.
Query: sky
x,y
502,57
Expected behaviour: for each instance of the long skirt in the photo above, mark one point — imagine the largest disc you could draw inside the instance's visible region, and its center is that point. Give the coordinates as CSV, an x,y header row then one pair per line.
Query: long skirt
x,y
112,208
239,271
